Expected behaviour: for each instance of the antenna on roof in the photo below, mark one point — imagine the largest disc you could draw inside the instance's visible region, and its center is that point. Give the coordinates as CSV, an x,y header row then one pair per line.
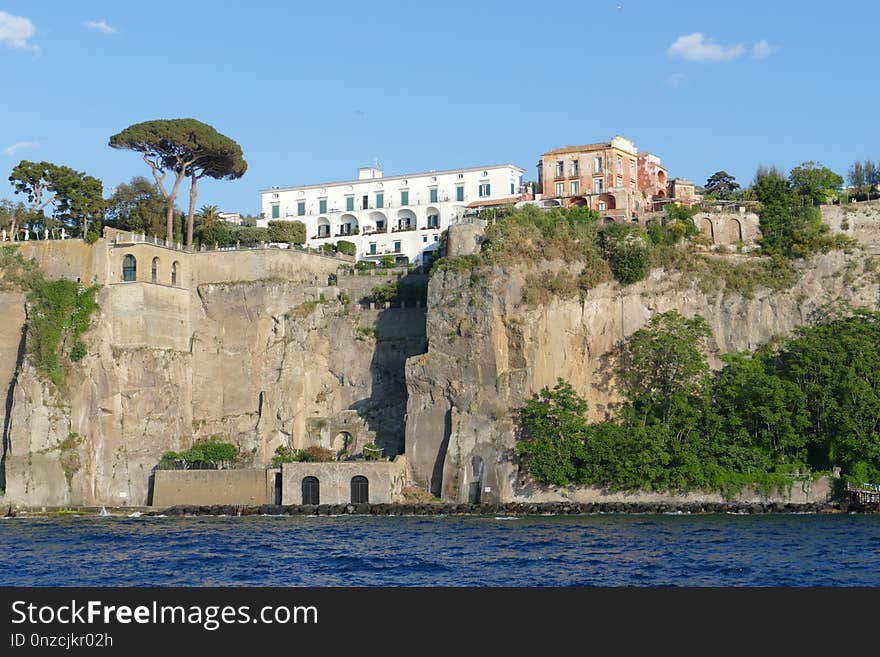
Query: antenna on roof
x,y
378,164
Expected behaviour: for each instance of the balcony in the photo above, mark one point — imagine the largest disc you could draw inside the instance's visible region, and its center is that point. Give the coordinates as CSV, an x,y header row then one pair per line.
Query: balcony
x,y
373,231
320,237
402,229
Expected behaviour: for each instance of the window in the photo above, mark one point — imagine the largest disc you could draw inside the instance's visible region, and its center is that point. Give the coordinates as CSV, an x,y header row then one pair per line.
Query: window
x,y
598,185
365,201
129,268
632,168
560,189
372,248
404,197
360,490
560,168
380,200
349,203
459,192
512,189
311,490
397,246
598,165
485,190
575,187
322,206
575,168
276,211
174,274
619,164
154,270
436,238
620,181
424,238
602,205
433,195
433,220
300,208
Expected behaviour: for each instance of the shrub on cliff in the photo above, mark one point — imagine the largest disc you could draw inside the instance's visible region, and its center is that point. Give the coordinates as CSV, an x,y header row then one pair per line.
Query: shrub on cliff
x,y
346,248
317,454
626,251
284,454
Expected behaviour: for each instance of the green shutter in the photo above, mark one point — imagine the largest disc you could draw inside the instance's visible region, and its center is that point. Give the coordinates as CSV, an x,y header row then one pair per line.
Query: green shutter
x,y
301,208
488,189
276,212
380,200
349,203
511,189
459,193
404,198
433,196
322,206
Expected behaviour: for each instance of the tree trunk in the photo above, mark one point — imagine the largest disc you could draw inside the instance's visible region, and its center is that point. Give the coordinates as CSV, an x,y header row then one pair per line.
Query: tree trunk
x,y
193,193
169,220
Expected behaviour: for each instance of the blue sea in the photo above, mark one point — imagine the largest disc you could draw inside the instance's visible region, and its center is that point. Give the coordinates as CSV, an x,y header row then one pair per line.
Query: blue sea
x,y
564,551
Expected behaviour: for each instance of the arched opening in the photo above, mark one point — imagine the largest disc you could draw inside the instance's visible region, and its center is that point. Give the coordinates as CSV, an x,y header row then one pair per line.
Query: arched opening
x,y
433,217
154,271
605,202
609,220
360,490
734,231
706,229
661,177
311,490
348,225
406,220
323,227
129,268
174,267
341,443
380,221
577,202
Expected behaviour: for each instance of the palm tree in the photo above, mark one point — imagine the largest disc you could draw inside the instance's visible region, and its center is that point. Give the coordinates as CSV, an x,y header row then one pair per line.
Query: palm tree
x,y
209,214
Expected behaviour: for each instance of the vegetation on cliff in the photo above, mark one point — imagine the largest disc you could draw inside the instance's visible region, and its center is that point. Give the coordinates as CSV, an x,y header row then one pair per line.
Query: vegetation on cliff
x,y
60,312
806,404
212,451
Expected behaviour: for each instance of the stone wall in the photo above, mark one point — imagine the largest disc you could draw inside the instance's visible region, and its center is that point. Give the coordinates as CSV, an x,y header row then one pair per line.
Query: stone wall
x,y
386,480
861,221
799,492
206,487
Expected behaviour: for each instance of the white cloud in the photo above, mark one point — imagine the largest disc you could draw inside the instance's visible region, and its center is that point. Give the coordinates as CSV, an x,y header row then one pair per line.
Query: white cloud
x,y
15,31
676,80
696,48
12,149
100,26
762,49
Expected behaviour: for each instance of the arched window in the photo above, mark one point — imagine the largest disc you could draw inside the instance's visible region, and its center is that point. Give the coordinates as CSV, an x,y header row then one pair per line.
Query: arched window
x,y
173,273
311,492
154,271
360,490
129,268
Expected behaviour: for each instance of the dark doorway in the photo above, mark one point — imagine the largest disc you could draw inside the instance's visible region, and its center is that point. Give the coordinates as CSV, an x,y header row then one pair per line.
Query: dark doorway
x,y
277,488
311,493
474,492
360,490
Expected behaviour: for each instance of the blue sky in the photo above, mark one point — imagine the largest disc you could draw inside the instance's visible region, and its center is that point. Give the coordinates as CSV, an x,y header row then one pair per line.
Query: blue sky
x,y
314,90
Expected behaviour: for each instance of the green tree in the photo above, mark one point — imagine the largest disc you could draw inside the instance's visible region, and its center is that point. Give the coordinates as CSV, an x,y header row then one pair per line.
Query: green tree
x,y
788,225
553,429
813,181
209,214
292,232
626,250
721,185
184,148
664,372
345,247
856,177
76,199
136,206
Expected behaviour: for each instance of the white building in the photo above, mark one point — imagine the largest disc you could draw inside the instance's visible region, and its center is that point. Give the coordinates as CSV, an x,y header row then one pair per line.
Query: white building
x,y
401,216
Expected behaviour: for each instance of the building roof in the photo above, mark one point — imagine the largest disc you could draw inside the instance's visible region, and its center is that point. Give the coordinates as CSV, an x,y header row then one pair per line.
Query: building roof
x,y
577,149
399,177
508,200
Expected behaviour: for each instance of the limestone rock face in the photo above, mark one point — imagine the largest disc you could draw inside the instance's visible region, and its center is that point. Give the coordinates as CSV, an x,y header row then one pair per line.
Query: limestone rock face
x,y
487,354
251,362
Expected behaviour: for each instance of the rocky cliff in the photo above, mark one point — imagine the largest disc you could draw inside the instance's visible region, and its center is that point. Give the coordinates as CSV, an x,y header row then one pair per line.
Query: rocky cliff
x,y
488,353
260,363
